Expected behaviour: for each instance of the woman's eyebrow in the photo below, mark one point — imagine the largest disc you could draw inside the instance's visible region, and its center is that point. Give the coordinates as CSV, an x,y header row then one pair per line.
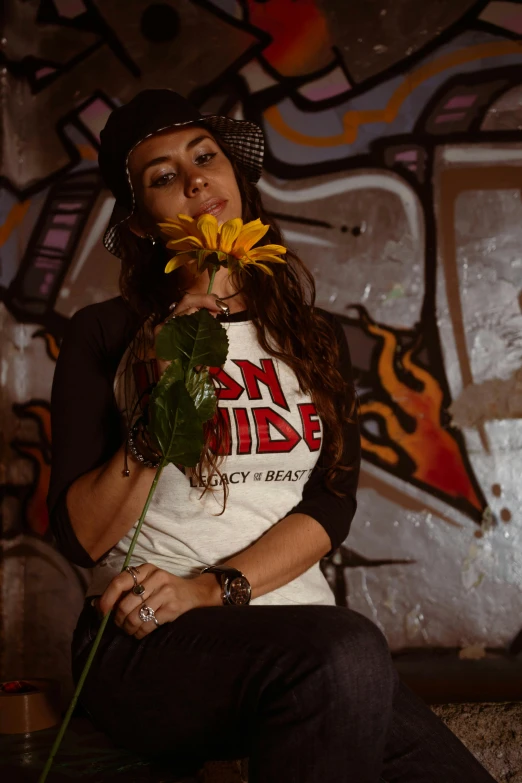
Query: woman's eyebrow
x,y
155,161
167,158
198,139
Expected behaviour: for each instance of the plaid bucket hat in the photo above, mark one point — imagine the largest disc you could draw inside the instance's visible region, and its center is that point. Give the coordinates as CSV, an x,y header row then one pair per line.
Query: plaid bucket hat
x,y
149,112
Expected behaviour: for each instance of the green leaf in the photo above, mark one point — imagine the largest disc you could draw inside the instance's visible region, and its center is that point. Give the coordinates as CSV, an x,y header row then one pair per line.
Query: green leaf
x,y
173,373
201,256
196,339
184,398
175,423
203,394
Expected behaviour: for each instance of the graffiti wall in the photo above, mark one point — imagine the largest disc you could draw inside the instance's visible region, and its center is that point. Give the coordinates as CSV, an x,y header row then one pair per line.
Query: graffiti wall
x,y
394,164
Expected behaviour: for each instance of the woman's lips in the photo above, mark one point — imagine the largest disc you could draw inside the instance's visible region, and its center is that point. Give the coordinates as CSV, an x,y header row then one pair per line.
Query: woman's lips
x,y
214,207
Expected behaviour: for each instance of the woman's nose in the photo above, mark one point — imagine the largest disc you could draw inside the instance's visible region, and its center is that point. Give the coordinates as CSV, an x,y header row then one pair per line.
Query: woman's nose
x,y
196,184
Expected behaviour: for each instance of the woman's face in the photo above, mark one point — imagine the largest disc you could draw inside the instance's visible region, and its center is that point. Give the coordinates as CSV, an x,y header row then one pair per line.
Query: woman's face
x,y
182,171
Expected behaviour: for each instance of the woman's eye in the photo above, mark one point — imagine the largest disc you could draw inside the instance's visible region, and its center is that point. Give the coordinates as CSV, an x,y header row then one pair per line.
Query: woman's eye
x,y
206,157
163,180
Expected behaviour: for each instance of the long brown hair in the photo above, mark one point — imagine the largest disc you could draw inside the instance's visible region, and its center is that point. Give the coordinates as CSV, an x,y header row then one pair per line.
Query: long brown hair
x,y
288,327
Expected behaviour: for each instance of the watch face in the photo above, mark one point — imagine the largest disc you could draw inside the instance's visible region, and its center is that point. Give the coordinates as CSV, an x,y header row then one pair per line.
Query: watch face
x,y
240,590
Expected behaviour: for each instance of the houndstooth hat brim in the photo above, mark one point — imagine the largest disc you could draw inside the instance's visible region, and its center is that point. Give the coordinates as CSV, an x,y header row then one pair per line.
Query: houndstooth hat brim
x,y
244,140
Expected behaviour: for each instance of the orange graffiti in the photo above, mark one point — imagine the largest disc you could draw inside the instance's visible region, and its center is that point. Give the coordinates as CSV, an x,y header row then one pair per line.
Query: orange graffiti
x,y
434,452
39,454
36,512
300,39
87,152
51,345
14,217
352,120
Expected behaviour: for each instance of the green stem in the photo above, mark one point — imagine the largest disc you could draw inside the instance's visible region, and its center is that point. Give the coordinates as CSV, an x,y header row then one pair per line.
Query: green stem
x,y
85,672
212,276
144,513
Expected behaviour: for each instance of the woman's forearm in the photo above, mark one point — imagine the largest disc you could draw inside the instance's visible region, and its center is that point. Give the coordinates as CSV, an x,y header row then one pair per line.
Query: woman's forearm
x,y
282,554
104,505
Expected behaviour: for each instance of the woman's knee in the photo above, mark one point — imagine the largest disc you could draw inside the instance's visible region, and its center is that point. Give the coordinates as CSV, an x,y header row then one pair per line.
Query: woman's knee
x,y
353,649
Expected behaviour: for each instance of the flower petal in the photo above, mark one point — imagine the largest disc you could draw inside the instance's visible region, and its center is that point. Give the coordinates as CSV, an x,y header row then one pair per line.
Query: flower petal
x,y
250,234
267,259
263,253
271,249
183,226
228,234
265,269
185,243
172,229
208,226
186,219
183,259
191,224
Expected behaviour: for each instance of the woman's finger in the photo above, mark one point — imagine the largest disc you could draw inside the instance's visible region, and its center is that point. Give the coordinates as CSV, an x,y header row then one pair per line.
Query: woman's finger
x,y
146,628
195,302
140,626
121,584
131,601
166,597
202,300
178,312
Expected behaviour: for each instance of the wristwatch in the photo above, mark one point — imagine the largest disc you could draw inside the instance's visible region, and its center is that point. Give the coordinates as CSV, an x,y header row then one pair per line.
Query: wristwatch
x,y
235,587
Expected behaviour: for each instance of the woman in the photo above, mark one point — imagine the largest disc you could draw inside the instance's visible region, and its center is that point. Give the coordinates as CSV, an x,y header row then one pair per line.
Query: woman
x,y
187,668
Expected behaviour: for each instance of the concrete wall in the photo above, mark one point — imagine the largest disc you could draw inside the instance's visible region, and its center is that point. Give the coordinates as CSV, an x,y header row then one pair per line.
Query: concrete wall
x,y
394,162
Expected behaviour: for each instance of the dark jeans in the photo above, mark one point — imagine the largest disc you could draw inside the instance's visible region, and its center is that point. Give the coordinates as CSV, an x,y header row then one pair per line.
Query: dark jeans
x,y
309,693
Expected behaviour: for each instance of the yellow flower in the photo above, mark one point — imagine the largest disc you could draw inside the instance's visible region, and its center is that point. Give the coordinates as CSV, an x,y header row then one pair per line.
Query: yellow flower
x,y
230,245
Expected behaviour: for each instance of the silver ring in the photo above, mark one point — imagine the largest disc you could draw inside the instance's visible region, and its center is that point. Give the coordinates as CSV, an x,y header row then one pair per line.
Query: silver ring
x,y
172,309
134,573
225,309
146,614
138,589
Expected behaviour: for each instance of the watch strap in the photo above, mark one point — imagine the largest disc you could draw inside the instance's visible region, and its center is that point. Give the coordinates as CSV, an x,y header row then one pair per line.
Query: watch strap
x,y
234,573
225,575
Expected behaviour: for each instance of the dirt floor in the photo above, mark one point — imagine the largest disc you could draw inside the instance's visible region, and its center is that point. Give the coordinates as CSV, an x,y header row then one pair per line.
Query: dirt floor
x,y
492,732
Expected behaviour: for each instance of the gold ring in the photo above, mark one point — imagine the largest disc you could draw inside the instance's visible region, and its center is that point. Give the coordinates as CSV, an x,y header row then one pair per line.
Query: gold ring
x,y
225,309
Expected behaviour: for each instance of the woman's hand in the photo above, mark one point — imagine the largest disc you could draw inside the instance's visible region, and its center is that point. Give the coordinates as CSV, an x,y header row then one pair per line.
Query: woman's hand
x,y
189,303
168,595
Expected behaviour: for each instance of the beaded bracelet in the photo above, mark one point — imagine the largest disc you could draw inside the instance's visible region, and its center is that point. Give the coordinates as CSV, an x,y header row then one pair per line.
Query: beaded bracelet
x,y
144,434
134,450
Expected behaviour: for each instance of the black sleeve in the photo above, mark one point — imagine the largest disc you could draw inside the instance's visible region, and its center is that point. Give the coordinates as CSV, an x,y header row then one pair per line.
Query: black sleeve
x,y
335,513
85,422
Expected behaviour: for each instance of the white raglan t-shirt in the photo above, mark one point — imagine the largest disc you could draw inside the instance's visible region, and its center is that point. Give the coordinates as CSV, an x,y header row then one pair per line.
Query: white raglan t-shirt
x,y
276,438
